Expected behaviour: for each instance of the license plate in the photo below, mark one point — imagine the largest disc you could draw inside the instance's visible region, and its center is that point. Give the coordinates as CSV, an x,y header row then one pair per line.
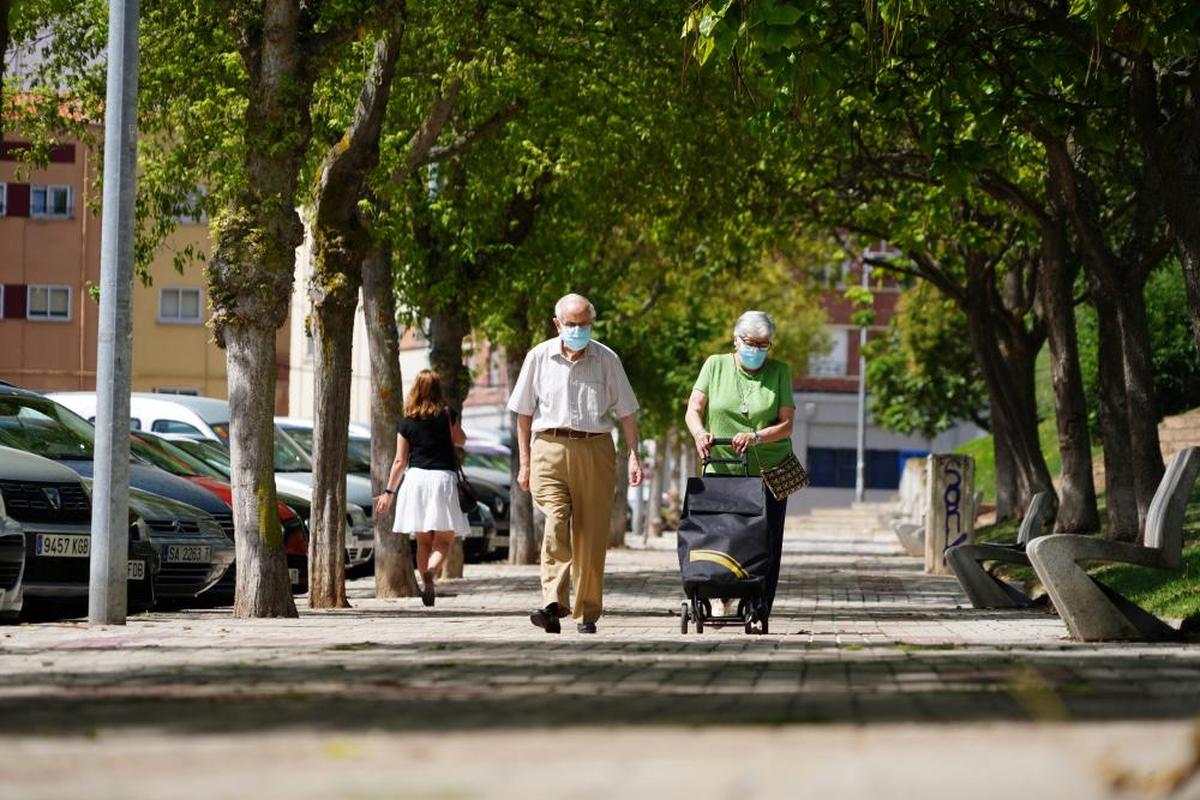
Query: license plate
x,y
186,553
59,545
476,530
137,570
294,574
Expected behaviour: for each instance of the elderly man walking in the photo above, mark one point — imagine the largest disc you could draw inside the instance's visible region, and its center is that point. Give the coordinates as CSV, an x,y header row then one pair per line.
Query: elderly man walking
x,y
565,398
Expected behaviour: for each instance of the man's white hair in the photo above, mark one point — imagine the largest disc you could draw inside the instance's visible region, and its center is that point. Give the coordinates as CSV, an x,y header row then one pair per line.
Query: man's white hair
x,y
755,325
573,299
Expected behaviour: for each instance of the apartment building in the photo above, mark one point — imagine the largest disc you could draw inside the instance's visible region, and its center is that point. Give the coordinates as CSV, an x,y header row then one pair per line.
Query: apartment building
x,y
827,411
49,263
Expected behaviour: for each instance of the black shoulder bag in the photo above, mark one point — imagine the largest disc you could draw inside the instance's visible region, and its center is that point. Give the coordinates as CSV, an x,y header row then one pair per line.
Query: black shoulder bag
x,y
466,497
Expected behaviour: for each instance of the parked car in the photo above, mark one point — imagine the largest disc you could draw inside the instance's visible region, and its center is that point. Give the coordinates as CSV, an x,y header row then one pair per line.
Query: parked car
x,y
488,490
358,447
12,565
182,529
207,418
192,548
166,456
53,508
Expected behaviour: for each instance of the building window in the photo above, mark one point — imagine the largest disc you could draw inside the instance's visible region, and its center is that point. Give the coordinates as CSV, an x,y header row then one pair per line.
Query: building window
x,y
834,363
49,303
50,201
189,210
179,306
837,467
3,199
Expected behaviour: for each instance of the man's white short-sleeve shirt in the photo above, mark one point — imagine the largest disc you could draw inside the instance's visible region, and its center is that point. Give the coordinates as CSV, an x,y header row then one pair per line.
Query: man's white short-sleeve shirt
x,y
584,395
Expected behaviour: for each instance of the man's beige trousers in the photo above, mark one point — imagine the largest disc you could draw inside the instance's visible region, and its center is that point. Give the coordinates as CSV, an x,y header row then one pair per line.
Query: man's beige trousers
x,y
572,483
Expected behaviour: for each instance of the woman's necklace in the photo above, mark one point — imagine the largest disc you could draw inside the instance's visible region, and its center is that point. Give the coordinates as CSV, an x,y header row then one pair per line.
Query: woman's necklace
x,y
744,408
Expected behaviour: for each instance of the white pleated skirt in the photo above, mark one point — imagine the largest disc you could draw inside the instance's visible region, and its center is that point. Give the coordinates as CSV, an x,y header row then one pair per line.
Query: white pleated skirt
x,y
428,501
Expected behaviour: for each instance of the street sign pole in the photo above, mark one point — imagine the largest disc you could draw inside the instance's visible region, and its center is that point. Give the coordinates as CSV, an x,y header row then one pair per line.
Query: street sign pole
x,y
110,488
860,474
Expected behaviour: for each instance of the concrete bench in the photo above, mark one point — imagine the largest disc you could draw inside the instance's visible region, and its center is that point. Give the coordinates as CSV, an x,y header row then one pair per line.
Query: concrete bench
x,y
1092,611
984,589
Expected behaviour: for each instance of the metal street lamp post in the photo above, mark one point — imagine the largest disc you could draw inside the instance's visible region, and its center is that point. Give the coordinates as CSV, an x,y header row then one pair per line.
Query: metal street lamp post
x,y
110,488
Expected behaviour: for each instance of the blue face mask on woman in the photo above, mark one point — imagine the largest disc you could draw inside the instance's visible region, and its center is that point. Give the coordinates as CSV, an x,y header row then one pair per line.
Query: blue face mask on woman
x,y
576,337
751,357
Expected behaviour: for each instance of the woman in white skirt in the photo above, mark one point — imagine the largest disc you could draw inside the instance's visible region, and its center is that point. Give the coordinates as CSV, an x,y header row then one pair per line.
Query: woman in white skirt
x,y
424,478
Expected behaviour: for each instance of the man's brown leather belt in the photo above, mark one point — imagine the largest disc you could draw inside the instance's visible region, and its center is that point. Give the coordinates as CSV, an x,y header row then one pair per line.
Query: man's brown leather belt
x,y
567,433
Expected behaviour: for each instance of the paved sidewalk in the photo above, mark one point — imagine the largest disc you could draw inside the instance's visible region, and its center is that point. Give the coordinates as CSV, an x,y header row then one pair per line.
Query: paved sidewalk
x,y
390,699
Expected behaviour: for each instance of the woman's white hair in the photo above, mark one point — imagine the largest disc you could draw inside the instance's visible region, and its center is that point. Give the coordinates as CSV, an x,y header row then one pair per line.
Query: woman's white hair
x,y
755,325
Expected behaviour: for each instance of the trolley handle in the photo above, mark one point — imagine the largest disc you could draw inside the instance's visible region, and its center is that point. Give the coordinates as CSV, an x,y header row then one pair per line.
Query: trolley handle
x,y
742,460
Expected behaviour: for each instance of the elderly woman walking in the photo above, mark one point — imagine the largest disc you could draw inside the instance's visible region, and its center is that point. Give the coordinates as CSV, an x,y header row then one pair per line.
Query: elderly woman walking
x,y
747,396
423,481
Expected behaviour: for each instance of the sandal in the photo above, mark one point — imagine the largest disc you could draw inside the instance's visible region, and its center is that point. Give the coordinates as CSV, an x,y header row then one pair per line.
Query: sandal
x,y
427,591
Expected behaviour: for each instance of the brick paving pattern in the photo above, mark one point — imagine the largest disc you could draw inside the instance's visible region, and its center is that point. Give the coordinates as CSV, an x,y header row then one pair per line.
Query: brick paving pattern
x,y
875,677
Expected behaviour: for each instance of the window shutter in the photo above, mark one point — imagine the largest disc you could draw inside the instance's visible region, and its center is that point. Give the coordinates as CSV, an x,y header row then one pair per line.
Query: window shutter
x,y
17,201
14,301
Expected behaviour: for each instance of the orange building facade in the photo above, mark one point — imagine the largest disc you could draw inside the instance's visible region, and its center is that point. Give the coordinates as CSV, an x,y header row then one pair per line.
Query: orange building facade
x,y
49,263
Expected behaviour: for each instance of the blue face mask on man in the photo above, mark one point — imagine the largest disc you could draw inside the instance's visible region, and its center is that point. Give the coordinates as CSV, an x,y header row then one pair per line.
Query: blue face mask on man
x,y
751,357
575,337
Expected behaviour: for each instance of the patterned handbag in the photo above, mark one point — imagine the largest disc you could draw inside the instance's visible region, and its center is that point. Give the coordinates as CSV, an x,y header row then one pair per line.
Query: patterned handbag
x,y
786,478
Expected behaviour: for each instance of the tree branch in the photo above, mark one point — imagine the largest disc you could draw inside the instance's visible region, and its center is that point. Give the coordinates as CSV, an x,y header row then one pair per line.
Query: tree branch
x,y
487,128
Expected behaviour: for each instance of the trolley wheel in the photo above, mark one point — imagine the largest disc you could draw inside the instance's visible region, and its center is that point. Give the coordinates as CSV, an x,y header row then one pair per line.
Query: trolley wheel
x,y
699,625
683,617
749,628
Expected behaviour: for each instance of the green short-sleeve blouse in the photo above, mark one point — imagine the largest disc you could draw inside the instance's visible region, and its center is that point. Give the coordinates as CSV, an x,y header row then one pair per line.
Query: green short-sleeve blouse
x,y
729,390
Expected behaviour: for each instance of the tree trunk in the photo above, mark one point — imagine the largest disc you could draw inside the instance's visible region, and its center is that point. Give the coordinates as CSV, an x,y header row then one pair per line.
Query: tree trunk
x,y
654,518
1120,496
452,567
447,329
1139,389
1118,284
1077,512
1006,470
394,576
250,285
334,305
340,245
263,586
523,546
619,515
1006,357
1167,126
1189,256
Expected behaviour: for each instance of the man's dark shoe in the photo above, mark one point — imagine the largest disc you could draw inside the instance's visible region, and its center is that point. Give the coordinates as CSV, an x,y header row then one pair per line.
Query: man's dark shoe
x,y
547,618
586,627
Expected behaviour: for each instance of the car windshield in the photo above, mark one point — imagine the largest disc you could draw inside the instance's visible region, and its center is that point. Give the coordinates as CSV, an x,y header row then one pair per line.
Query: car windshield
x,y
41,426
289,456
146,450
210,453
358,455
198,466
358,450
